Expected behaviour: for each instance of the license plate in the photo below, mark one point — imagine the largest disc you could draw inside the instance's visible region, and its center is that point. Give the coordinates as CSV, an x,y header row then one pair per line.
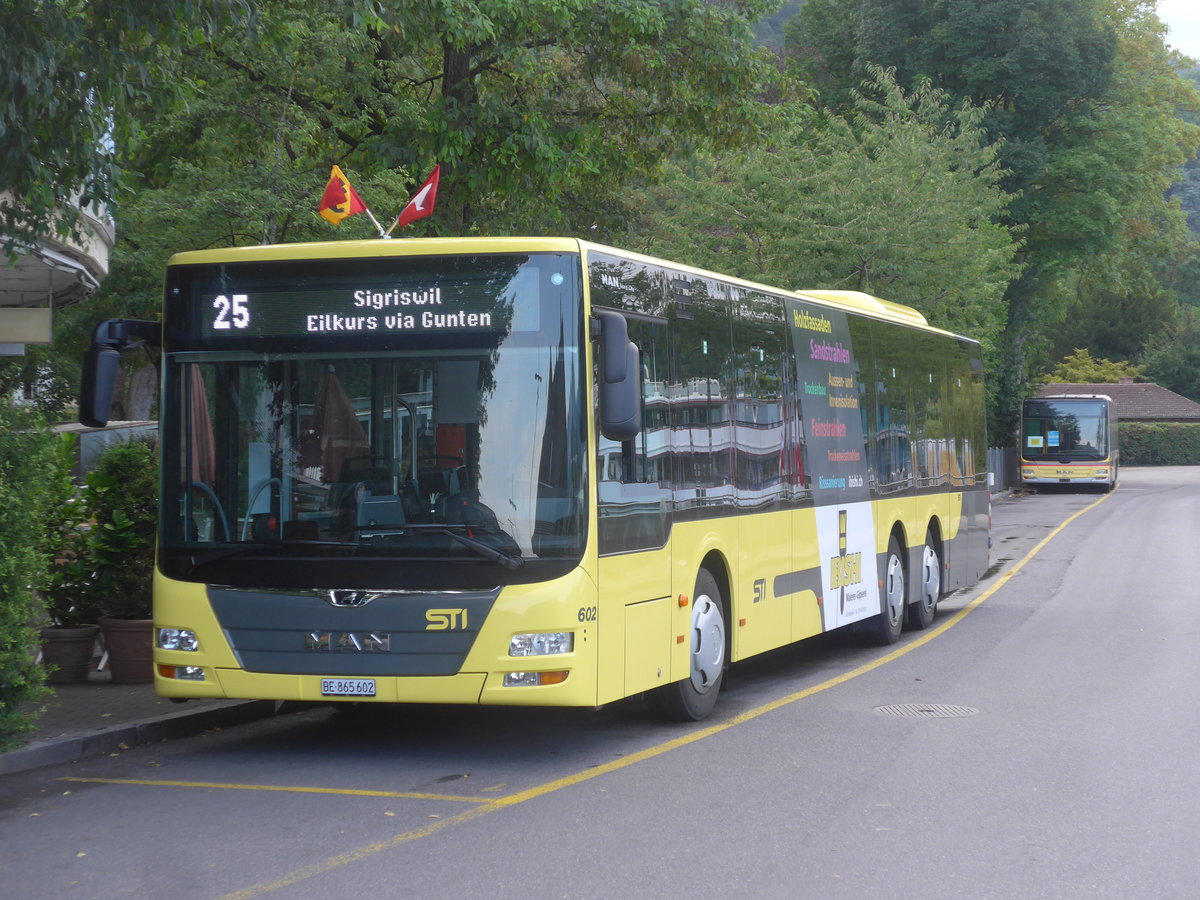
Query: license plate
x,y
348,687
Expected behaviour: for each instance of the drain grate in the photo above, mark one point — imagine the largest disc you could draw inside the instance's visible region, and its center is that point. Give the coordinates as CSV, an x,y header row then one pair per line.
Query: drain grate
x,y
927,710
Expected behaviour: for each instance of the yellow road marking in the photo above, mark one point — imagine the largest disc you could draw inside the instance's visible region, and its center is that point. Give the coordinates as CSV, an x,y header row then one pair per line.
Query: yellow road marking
x,y
349,792
550,787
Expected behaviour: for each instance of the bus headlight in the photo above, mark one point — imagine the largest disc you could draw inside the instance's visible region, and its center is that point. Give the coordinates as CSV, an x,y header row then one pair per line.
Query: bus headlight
x,y
546,643
182,673
177,639
534,679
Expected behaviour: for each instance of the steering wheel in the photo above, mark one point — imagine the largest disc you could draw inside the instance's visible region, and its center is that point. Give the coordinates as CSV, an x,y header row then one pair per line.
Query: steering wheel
x,y
455,460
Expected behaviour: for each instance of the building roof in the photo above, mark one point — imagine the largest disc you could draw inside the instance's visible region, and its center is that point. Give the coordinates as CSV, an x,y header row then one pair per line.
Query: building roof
x,y
1136,402
46,275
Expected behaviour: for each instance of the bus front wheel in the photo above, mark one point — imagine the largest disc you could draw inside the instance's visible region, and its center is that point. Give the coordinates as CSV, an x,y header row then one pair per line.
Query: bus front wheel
x,y
693,698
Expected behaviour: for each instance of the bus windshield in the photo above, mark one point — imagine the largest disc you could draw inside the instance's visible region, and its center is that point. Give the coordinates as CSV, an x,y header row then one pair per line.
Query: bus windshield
x,y
451,433
1065,429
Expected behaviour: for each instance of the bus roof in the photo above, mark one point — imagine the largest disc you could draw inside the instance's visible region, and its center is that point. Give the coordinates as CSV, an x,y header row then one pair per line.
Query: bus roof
x,y
854,301
1072,397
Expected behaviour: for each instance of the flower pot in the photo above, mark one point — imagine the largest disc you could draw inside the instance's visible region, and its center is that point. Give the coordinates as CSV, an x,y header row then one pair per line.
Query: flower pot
x,y
67,653
130,647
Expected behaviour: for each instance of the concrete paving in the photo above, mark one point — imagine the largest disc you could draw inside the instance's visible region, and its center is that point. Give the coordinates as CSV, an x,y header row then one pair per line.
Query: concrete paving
x,y
98,717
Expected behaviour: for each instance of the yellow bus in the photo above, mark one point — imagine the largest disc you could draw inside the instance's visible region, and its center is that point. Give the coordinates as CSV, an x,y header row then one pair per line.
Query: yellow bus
x,y
1069,439
538,471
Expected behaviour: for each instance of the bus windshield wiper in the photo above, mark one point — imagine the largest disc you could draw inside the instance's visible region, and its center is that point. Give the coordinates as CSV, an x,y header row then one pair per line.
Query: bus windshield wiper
x,y
488,552
509,562
199,559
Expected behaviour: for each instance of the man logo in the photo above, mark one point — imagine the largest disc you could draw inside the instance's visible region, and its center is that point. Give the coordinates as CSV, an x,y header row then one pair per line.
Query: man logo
x,y
361,642
351,598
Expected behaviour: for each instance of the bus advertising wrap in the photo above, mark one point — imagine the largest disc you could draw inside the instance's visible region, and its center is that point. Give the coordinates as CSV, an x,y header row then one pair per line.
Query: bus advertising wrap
x,y
828,379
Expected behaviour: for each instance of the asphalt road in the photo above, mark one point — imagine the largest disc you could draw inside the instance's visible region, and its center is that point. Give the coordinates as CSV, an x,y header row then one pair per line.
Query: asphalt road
x,y
1040,741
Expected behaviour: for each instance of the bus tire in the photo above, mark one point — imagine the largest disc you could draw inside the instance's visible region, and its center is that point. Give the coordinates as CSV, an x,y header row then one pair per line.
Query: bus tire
x,y
928,585
693,698
885,628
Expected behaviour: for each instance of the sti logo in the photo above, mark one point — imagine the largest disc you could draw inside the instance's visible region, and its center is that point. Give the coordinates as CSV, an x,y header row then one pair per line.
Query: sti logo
x,y
446,620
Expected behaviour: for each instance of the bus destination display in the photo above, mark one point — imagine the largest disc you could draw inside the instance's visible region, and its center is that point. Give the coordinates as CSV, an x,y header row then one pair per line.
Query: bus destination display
x,y
355,309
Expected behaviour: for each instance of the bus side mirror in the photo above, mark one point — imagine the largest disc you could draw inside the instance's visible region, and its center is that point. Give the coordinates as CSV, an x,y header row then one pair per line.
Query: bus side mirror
x,y
620,388
96,384
110,339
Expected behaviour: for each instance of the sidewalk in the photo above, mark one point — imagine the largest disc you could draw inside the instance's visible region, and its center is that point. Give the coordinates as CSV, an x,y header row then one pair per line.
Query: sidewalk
x,y
99,717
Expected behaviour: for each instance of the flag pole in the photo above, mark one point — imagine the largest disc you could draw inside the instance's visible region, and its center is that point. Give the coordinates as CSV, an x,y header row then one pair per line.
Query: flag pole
x,y
378,227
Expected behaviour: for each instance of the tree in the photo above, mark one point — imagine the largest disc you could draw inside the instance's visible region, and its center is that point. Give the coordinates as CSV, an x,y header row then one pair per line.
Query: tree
x,y
1187,191
1173,359
900,199
69,72
1085,99
540,113
525,106
1079,367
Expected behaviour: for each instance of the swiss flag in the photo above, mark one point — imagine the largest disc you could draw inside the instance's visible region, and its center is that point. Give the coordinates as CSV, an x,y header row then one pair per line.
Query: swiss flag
x,y
421,205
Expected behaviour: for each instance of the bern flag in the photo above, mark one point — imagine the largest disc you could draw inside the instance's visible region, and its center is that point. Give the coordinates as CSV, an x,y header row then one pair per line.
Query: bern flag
x,y
340,199
421,205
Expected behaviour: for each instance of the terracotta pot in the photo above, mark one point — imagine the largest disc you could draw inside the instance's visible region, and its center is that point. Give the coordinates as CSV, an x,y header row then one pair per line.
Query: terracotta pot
x,y
67,653
130,646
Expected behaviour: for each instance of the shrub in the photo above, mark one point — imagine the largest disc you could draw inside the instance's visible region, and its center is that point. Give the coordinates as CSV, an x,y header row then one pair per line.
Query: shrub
x,y
122,500
34,473
1159,444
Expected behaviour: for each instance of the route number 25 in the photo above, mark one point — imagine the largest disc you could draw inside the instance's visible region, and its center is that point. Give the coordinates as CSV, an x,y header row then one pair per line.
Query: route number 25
x,y
233,313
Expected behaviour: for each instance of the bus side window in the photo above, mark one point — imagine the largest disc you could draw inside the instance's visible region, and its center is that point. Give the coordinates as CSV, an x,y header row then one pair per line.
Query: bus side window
x,y
635,475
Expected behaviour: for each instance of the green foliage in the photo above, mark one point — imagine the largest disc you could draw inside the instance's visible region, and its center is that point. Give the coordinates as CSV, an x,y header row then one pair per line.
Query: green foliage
x,y
1088,107
1166,444
122,501
1080,367
899,199
1111,324
69,73
1187,191
33,467
549,99
1173,359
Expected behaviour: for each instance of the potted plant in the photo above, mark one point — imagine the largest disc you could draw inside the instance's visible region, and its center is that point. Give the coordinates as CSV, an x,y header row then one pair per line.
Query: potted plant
x,y
69,639
122,499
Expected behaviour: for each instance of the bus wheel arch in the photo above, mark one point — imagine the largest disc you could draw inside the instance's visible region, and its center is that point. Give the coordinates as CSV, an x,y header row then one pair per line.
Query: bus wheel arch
x,y
694,697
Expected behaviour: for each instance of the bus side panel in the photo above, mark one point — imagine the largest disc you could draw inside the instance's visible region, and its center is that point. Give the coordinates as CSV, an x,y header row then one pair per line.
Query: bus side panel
x,y
977,518
762,619
647,645
633,636
805,588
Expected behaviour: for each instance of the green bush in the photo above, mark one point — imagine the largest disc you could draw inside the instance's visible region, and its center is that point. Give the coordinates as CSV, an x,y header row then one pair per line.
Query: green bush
x,y
122,500
1166,444
34,482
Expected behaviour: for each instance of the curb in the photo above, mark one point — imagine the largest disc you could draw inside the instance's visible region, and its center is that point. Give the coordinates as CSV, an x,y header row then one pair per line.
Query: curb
x,y
143,731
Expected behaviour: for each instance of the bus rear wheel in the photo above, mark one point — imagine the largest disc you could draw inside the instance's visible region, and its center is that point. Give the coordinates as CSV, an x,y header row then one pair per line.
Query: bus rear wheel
x,y
885,628
929,587
693,698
